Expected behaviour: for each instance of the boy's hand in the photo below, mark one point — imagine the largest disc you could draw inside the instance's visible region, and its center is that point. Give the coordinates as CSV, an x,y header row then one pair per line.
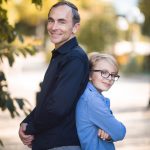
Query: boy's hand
x,y
103,135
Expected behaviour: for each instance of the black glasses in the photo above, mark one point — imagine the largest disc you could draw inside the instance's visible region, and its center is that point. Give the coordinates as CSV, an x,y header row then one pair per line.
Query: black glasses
x,y
105,74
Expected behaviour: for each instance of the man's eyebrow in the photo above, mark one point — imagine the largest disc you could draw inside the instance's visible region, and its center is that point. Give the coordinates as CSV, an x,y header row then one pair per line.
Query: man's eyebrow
x,y
61,19
50,18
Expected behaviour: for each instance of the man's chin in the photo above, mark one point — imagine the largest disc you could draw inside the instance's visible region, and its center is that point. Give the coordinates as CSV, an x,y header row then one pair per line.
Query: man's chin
x,y
55,41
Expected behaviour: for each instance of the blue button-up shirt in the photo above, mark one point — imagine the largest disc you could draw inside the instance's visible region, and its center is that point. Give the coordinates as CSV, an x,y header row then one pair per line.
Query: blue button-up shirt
x,y
93,113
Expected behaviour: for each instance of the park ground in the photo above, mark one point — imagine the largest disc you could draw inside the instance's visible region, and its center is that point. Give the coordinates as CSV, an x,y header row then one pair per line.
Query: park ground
x,y
129,100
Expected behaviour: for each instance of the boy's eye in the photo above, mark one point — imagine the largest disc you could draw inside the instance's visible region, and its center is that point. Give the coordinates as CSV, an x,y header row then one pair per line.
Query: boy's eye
x,y
105,72
113,75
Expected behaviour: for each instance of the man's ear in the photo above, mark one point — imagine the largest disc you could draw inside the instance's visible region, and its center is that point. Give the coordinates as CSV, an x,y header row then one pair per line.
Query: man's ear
x,y
76,28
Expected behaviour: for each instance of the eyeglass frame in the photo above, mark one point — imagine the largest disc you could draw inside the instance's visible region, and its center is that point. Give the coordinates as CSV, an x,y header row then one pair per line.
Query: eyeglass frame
x,y
113,76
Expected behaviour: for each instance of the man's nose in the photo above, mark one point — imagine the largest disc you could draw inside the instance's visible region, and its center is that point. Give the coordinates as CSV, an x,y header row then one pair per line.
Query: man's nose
x,y
55,26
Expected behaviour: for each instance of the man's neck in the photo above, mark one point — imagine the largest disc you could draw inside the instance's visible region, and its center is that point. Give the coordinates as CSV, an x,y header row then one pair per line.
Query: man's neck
x,y
59,45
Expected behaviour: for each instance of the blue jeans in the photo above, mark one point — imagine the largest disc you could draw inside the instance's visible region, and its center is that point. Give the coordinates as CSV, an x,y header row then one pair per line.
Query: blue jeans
x,y
67,148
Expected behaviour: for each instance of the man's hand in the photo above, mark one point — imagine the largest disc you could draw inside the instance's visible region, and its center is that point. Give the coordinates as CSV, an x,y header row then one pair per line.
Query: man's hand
x,y
26,139
103,135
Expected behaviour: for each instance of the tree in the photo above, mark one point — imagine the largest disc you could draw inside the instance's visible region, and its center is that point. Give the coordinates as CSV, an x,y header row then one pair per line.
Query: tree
x,y
98,33
144,7
8,50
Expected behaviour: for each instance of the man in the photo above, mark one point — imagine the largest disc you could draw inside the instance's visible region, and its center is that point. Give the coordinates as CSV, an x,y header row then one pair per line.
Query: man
x,y
51,125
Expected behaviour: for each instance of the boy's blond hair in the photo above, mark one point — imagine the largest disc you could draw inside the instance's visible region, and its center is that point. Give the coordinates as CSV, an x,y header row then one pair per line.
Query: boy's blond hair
x,y
95,57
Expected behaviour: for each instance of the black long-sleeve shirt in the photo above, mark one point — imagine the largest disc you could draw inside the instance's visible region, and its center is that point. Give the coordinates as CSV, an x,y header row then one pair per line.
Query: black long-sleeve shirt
x,y
53,119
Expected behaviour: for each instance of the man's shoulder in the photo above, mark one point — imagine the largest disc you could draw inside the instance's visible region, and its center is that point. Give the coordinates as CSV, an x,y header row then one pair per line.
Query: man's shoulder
x,y
78,52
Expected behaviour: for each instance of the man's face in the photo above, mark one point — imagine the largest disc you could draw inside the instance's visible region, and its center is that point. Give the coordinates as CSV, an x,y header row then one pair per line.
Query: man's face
x,y
60,25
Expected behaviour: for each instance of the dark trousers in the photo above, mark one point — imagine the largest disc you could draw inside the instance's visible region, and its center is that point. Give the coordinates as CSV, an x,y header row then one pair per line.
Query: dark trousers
x,y
67,148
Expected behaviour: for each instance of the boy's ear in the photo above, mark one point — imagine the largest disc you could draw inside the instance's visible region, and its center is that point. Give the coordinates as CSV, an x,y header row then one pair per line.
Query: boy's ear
x,y
90,79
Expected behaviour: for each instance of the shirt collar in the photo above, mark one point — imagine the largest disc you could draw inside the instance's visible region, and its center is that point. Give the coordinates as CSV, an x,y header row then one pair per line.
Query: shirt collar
x,y
65,48
92,88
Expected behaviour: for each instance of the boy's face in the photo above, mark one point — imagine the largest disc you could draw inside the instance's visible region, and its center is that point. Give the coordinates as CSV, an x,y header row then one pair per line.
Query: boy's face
x,y
60,25
101,83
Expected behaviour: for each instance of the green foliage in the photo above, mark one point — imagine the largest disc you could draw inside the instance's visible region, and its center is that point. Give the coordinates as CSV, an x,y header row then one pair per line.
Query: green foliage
x,y
37,2
7,32
9,50
144,7
137,64
146,64
2,1
1,143
9,103
98,33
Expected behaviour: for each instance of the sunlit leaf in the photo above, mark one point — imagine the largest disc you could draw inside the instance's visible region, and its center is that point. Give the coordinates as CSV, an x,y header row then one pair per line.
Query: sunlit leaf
x,y
20,103
20,38
10,106
2,76
37,2
1,143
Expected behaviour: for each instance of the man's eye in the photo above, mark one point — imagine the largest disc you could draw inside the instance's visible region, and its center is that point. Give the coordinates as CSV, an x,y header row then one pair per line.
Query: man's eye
x,y
50,20
62,22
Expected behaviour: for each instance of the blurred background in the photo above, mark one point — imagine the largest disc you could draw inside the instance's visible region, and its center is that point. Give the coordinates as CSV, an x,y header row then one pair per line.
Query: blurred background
x,y
117,27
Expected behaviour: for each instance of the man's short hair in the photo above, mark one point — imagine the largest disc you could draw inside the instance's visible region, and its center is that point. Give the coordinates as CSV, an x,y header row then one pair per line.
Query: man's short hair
x,y
75,14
